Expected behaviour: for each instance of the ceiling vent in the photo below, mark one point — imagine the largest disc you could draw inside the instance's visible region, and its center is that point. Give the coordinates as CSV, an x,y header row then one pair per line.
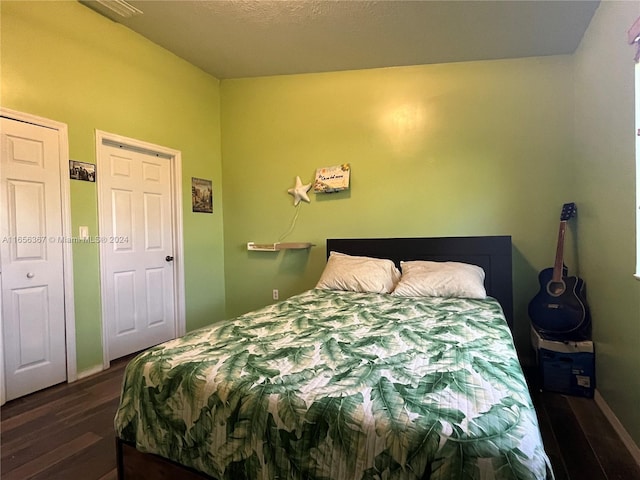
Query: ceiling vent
x,y
113,9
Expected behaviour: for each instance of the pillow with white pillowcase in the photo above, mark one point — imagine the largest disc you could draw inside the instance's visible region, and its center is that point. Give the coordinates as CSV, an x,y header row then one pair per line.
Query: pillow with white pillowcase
x,y
358,274
422,278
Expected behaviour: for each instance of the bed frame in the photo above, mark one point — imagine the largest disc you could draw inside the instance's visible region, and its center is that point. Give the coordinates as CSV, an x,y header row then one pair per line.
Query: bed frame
x,y
492,253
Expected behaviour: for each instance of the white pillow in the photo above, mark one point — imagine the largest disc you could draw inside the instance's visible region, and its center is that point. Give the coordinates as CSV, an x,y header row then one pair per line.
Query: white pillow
x,y
358,274
422,278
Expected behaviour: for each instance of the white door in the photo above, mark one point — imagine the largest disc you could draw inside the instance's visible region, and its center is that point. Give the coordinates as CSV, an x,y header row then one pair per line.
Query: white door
x,y
31,255
136,249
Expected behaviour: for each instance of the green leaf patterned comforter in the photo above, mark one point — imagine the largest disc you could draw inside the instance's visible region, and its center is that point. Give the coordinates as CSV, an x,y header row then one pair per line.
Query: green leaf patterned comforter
x,y
340,385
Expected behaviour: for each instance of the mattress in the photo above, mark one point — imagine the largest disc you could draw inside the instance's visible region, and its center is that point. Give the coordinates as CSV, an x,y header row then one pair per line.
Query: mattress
x,y
340,385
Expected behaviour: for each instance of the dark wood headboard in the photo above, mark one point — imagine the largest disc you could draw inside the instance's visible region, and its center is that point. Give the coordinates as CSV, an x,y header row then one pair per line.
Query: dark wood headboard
x,y
492,253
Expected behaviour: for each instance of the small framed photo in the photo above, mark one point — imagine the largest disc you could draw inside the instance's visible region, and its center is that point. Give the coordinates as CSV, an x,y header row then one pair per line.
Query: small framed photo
x,y
82,171
201,195
332,179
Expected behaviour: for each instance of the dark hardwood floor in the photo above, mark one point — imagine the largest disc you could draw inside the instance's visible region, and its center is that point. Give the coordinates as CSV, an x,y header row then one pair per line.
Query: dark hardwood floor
x,y
579,439
66,433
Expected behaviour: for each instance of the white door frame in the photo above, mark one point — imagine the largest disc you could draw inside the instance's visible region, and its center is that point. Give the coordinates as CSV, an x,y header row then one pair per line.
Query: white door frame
x,y
67,253
176,219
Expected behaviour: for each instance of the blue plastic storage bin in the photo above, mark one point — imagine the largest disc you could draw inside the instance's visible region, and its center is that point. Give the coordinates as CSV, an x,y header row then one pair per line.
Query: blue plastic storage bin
x,y
565,367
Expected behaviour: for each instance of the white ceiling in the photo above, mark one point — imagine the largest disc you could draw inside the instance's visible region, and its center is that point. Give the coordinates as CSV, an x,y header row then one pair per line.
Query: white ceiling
x,y
248,38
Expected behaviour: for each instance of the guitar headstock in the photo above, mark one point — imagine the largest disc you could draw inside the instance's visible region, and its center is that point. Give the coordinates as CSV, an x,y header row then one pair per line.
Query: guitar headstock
x,y
568,210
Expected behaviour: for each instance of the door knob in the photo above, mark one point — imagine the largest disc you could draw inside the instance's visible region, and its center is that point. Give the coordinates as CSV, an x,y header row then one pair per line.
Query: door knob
x,y
31,275
169,258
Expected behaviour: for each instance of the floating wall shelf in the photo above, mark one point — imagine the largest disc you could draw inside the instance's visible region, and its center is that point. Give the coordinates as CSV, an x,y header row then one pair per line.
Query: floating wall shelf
x,y
275,247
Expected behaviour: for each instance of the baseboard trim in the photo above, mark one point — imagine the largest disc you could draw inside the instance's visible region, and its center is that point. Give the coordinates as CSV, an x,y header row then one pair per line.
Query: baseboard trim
x,y
90,371
634,450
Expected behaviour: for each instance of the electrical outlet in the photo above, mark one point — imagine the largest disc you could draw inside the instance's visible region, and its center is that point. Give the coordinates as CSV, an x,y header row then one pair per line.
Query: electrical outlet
x,y
276,294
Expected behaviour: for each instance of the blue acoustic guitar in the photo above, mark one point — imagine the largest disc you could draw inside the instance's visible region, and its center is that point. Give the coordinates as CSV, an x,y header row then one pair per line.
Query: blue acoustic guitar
x,y
559,311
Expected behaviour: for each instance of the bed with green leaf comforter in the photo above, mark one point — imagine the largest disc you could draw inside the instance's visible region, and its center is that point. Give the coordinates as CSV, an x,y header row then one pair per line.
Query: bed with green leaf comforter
x,y
340,385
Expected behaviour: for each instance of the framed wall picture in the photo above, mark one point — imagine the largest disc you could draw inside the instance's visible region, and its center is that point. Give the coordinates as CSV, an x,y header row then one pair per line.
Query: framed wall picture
x,y
201,195
82,171
332,179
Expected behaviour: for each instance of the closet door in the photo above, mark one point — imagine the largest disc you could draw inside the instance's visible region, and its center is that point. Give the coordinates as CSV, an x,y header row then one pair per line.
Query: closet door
x,y
31,255
137,250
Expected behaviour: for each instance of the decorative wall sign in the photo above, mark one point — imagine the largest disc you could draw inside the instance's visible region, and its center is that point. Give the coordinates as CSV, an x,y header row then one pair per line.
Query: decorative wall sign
x,y
82,171
201,195
332,179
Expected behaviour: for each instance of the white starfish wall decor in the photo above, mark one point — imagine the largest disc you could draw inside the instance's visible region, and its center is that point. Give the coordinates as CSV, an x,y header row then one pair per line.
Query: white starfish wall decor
x,y
299,192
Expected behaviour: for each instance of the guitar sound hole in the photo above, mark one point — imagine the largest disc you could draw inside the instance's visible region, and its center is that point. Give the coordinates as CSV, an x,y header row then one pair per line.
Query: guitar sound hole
x,y
556,288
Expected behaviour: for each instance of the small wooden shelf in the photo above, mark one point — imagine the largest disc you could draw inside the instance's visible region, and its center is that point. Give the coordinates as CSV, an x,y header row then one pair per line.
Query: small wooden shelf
x,y
276,247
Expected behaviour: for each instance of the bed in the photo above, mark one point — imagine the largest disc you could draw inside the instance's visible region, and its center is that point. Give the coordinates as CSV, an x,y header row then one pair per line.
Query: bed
x,y
339,384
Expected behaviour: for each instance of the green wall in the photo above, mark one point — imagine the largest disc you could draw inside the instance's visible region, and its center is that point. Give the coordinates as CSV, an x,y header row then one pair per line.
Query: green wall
x,y
477,148
604,168
62,61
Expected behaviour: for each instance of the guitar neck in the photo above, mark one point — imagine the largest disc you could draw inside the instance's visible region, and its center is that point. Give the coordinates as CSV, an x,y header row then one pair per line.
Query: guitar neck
x,y
559,262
